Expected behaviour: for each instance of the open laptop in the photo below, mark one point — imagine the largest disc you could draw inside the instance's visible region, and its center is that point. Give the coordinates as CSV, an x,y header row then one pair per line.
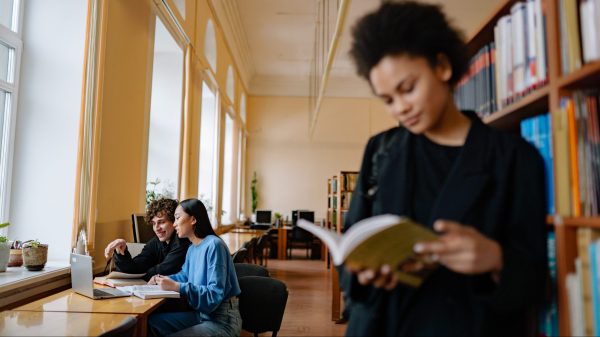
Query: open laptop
x,y
81,279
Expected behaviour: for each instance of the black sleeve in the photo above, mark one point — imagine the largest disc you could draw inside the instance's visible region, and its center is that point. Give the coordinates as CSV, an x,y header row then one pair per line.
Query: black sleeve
x,y
524,246
172,262
147,258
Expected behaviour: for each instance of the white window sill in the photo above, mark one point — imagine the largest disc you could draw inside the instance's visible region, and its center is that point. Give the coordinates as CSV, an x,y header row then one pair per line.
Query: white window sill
x,y
19,277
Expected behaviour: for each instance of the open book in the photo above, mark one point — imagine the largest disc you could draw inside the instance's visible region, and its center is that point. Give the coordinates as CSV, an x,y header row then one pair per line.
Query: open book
x,y
149,291
379,240
119,279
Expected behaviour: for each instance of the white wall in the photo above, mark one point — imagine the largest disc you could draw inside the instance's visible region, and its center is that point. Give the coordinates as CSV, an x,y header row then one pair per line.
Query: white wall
x,y
292,169
44,167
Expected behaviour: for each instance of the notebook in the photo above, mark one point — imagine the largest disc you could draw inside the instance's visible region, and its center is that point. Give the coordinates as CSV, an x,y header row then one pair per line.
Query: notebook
x,y
81,279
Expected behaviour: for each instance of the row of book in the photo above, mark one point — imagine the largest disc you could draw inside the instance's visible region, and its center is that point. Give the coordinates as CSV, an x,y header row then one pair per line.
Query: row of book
x,y
581,110
348,181
579,32
538,131
583,285
548,318
512,65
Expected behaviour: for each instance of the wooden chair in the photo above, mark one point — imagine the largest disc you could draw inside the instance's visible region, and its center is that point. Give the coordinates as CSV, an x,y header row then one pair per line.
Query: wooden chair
x,y
240,256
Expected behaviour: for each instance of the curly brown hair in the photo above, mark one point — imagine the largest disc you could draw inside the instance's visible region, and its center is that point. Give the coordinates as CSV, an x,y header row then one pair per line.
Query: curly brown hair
x,y
159,207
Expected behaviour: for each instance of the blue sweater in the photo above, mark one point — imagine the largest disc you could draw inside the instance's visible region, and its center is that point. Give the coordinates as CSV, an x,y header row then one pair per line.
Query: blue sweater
x,y
208,275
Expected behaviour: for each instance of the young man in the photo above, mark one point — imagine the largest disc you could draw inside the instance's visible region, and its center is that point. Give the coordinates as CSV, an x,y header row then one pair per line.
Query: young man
x,y
163,254
482,190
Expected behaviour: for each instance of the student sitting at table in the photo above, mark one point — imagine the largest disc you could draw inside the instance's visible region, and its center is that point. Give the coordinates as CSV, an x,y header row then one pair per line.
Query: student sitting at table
x,y
163,254
207,280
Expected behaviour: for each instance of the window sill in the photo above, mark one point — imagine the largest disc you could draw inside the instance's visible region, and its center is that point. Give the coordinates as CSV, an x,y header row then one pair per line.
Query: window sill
x,y
18,284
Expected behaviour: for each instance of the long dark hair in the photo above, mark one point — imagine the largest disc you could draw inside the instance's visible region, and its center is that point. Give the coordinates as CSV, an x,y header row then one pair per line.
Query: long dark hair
x,y
195,208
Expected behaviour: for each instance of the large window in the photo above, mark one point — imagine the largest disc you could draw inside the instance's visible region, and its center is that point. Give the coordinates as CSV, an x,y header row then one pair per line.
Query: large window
x,y
165,116
228,169
208,150
10,57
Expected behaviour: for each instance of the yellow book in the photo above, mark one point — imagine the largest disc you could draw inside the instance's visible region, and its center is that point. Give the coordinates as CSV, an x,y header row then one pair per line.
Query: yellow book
x,y
377,241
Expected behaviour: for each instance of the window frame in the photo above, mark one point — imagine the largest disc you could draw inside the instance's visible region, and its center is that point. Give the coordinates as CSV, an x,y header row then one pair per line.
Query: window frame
x,y
13,39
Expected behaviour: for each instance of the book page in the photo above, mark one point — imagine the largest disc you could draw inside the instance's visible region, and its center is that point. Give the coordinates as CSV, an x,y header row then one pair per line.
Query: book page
x,y
394,246
118,274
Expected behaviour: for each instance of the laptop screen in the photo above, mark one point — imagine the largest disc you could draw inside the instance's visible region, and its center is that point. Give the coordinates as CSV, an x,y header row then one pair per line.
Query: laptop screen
x,y
263,217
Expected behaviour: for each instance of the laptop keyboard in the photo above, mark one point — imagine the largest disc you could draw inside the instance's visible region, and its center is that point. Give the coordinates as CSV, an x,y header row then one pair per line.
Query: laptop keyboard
x,y
98,292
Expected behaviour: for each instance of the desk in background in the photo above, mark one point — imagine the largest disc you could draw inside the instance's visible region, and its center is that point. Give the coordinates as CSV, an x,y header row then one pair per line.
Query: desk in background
x,y
46,323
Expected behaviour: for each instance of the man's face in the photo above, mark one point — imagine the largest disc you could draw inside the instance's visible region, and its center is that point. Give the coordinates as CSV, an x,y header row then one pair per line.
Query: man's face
x,y
414,93
162,226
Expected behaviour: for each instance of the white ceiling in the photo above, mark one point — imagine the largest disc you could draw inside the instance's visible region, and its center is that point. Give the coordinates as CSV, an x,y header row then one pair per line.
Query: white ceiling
x,y
279,36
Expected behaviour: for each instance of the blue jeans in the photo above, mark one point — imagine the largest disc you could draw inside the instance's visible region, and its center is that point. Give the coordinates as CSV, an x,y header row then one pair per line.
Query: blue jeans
x,y
223,321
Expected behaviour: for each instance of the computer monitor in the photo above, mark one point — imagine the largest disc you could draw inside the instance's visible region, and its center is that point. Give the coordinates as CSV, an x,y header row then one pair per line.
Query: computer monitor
x,y
142,231
263,217
307,215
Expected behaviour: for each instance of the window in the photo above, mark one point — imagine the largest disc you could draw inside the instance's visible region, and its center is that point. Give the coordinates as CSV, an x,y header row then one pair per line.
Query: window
x,y
228,169
210,45
180,5
240,174
243,108
10,59
208,150
45,136
230,85
164,137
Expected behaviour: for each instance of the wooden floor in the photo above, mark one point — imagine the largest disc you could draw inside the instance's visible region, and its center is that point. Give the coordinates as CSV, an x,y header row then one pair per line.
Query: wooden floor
x,y
308,309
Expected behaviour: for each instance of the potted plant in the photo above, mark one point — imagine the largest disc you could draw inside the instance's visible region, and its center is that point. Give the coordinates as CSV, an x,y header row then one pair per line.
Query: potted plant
x,y
277,216
16,254
4,249
254,191
35,255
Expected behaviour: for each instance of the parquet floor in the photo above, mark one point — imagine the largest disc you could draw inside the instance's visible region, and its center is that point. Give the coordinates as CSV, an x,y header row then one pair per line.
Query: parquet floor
x,y
308,309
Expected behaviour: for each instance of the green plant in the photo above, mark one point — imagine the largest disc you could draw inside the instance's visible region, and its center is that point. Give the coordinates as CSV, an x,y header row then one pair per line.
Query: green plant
x,y
277,215
254,189
2,237
31,243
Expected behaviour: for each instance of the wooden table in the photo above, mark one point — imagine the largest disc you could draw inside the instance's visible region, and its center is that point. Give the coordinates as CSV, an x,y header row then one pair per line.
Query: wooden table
x,y
235,241
45,323
71,302
282,241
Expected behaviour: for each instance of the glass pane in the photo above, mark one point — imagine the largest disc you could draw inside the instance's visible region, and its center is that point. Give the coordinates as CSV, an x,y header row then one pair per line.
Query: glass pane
x,y
180,4
6,62
208,125
4,109
228,216
6,13
165,117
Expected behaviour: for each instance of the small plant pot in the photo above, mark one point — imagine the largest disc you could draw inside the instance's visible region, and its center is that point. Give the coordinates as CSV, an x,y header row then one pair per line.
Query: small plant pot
x,y
4,254
35,258
16,258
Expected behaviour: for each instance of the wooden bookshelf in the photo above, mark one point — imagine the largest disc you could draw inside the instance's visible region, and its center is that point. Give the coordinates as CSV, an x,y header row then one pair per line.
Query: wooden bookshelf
x,y
340,188
542,100
532,104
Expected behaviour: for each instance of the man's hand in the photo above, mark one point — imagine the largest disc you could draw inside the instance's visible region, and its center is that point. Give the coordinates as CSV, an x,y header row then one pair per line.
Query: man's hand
x,y
463,249
119,245
166,283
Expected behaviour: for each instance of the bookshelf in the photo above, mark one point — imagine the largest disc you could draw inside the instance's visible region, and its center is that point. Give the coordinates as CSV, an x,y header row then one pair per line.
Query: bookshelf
x,y
563,79
339,193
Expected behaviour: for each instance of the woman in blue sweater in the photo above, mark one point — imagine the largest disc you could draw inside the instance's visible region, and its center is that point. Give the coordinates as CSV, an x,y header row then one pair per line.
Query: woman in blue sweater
x,y
207,280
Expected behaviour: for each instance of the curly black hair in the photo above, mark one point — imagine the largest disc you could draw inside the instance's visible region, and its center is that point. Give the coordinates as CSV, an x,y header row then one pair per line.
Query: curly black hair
x,y
161,206
410,28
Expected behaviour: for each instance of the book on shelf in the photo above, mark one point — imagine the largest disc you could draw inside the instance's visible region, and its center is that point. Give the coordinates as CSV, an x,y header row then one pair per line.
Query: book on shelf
x,y
377,241
149,291
119,279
